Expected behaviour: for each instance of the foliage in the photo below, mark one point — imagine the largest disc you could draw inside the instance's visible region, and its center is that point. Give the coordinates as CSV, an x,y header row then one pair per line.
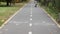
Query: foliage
x,y
52,7
9,2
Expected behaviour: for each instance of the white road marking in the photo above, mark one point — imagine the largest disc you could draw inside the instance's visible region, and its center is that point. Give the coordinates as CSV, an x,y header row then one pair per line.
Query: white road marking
x,y
30,18
10,22
31,12
0,32
30,15
30,24
6,29
17,24
26,22
14,21
20,22
49,24
31,9
30,33
36,23
44,22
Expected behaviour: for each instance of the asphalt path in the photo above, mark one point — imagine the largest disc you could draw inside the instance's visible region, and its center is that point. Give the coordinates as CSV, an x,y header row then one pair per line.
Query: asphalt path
x,y
30,20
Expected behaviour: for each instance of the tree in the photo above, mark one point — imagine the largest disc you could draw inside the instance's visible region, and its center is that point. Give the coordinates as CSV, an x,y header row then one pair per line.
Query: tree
x,y
8,2
57,4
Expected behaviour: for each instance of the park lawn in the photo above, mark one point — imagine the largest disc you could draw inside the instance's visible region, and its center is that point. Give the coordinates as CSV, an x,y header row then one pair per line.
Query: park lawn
x,y
6,12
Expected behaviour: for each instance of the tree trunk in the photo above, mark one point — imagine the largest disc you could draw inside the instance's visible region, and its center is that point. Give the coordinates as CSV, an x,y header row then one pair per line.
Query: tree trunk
x,y
7,3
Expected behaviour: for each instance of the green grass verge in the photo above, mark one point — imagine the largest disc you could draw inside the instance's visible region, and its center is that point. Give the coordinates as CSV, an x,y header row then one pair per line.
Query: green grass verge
x,y
53,12
6,12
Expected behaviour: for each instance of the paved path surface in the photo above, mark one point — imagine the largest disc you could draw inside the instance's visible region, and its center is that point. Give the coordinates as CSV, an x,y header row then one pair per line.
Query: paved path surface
x,y
30,20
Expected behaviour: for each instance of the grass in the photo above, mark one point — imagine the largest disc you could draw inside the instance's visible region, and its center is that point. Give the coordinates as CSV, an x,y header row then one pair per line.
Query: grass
x,y
6,12
53,12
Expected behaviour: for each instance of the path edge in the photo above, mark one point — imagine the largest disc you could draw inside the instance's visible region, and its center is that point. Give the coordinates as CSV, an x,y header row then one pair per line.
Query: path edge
x,y
51,17
12,17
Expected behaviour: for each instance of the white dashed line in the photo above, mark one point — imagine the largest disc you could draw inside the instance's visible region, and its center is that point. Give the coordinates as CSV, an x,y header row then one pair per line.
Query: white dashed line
x,y
30,33
6,29
30,24
14,21
30,15
31,12
0,32
17,24
30,18
26,22
44,22
36,23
